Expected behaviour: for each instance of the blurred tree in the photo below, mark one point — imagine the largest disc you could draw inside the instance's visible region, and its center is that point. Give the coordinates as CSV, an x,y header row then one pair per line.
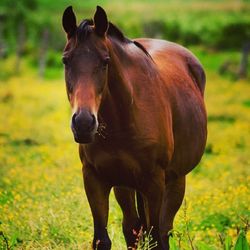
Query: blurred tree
x,y
43,51
2,43
244,60
16,22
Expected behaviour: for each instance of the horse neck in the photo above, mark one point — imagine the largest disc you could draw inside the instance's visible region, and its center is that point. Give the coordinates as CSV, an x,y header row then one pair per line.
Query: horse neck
x,y
134,86
118,98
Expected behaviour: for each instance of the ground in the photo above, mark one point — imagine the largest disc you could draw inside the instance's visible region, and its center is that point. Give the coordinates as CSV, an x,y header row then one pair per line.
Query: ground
x,y
42,201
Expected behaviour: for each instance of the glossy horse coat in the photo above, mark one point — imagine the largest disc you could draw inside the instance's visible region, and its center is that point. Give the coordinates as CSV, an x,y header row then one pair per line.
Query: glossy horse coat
x,y
140,121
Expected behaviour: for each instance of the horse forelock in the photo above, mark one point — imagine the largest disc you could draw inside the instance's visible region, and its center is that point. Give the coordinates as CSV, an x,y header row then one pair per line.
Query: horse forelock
x,y
84,29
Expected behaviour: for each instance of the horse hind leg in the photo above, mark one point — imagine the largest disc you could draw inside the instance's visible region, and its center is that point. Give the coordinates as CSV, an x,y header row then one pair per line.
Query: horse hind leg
x,y
172,200
131,224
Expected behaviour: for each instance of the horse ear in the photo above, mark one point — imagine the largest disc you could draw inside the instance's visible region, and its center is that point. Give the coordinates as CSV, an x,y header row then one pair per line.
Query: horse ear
x,y
100,21
69,22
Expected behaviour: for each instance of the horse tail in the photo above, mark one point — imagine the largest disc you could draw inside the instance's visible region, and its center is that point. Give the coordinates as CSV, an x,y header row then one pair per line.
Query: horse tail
x,y
141,210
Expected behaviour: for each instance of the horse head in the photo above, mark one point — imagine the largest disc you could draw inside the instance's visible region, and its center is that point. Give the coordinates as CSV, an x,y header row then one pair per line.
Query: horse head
x,y
86,58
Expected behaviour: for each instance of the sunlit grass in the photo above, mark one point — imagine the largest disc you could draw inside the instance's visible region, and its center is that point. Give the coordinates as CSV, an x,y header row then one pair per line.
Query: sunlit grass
x,y
42,202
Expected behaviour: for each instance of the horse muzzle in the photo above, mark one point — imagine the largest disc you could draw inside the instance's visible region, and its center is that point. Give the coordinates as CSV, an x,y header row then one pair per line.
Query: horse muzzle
x,y
84,126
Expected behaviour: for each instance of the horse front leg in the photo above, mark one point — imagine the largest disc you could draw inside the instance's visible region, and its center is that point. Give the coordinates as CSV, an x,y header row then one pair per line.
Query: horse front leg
x,y
131,223
97,192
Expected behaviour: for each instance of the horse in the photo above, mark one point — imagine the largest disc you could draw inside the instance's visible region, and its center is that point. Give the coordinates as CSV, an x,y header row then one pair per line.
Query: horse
x,y
140,121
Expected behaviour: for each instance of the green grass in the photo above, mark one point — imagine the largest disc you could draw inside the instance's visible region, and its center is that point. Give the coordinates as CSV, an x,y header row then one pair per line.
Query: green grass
x,y
42,202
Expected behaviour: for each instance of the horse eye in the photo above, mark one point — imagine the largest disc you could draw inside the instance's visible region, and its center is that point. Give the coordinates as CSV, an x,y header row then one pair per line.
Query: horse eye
x,y
65,60
106,61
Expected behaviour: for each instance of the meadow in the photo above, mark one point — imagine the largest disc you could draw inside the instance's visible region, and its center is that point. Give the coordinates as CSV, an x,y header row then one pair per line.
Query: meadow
x,y
42,201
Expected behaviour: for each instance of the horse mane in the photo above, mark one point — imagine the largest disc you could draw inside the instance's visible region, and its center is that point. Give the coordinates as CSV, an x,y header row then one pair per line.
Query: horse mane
x,y
84,29
114,32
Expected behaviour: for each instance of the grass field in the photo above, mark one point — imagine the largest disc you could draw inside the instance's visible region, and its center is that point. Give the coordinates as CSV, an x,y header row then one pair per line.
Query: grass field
x,y
42,202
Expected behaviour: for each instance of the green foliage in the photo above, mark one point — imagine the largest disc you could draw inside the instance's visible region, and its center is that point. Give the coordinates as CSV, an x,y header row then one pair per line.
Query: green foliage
x,y
222,25
173,244
204,246
228,243
54,60
193,25
12,19
217,220
239,33
217,37
241,243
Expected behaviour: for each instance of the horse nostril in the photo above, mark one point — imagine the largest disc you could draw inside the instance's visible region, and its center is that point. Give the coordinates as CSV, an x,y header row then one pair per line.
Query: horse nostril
x,y
93,121
73,119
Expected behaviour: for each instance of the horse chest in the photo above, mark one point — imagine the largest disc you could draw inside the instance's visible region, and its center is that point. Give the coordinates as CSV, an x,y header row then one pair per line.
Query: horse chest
x,y
123,166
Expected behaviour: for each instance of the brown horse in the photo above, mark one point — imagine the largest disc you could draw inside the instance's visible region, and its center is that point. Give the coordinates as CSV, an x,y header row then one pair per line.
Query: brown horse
x,y
140,121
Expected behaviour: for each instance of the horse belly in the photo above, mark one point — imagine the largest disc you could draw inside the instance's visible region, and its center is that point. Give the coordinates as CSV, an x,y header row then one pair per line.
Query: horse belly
x,y
189,119
190,134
